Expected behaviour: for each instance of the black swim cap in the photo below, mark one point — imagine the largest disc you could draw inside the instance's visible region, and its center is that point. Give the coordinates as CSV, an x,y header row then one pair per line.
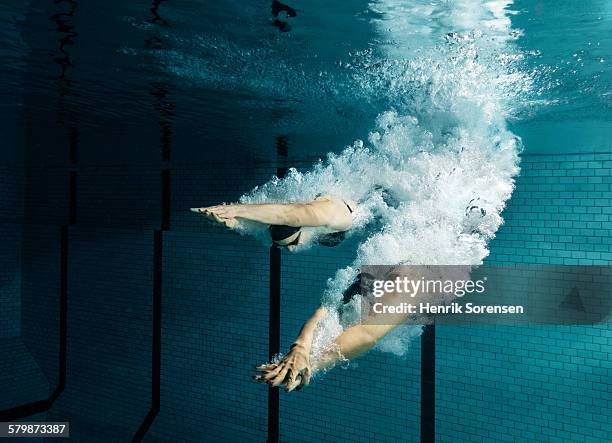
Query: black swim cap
x,y
355,288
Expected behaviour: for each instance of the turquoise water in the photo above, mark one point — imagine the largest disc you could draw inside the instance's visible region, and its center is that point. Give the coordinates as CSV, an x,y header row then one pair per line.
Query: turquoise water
x,y
305,74
229,65
572,44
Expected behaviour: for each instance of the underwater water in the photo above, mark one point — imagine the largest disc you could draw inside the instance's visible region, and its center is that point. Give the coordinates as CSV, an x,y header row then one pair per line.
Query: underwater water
x,y
230,67
422,111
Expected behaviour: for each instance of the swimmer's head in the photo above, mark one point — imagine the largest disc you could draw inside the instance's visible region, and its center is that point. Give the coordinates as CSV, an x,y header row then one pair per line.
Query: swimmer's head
x,y
362,285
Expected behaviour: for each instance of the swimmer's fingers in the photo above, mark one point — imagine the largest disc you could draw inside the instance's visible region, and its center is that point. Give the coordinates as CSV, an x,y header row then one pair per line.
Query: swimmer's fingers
x,y
221,219
273,373
293,382
267,371
203,210
222,211
215,218
266,367
231,223
212,216
260,379
305,381
280,378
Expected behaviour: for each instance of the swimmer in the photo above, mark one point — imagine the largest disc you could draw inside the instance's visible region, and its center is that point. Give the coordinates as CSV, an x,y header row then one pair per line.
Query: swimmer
x,y
330,215
295,369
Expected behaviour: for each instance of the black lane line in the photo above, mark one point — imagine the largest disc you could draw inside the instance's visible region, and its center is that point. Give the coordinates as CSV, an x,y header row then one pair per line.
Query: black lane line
x,y
68,116
282,150
158,239
165,109
165,200
158,253
63,311
74,143
428,384
163,105
72,200
274,341
40,406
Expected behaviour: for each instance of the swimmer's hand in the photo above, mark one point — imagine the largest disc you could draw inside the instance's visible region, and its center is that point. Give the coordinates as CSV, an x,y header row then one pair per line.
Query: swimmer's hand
x,y
224,215
293,371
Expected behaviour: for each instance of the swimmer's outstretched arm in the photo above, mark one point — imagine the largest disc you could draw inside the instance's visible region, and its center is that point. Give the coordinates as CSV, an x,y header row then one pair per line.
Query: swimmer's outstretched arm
x,y
354,341
324,212
362,337
294,368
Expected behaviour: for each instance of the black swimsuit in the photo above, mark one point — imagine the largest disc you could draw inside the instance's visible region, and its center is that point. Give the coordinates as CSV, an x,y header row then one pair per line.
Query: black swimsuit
x,y
282,232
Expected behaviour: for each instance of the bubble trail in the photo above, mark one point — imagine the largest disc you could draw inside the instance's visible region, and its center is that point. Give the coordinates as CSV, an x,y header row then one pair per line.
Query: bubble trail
x,y
449,76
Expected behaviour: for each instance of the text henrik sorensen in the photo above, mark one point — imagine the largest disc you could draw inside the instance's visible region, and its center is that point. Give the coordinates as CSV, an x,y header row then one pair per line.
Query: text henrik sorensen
x,y
453,308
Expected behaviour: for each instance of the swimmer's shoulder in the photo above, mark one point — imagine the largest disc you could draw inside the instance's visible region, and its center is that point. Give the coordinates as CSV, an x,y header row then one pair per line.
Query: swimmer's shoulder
x,y
335,210
327,198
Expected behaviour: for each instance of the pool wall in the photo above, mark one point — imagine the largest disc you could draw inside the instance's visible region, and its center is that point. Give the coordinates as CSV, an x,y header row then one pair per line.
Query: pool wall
x,y
539,383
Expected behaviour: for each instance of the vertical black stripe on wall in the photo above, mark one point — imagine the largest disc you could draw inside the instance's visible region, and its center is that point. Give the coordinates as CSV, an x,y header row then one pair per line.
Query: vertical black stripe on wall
x,y
165,200
72,200
63,311
157,319
428,384
274,340
156,332
282,150
158,241
165,109
163,105
158,253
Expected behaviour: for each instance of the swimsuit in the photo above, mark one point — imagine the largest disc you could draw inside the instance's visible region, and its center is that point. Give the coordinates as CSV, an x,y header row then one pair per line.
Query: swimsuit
x,y
283,232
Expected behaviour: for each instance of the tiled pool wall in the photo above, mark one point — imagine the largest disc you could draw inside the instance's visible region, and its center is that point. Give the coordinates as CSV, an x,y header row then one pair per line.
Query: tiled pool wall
x,y
11,216
548,383
539,383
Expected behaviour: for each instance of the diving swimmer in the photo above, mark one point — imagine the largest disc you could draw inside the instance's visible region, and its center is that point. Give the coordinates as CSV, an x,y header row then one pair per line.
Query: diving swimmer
x,y
331,216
